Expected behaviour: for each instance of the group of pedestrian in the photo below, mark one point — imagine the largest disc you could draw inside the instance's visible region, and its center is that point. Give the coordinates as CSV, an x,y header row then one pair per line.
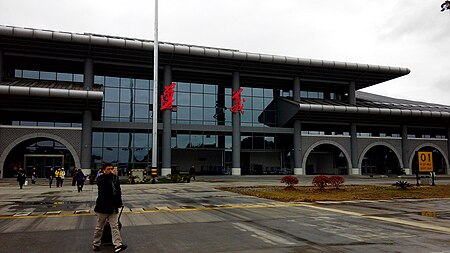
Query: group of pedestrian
x,y
107,205
58,174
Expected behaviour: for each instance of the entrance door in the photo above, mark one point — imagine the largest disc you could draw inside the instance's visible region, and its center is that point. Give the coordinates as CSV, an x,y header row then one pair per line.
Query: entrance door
x,y
42,163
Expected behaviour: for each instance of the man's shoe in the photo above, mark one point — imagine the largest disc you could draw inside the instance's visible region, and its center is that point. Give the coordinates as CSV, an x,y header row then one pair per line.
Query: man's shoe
x,y
95,248
120,248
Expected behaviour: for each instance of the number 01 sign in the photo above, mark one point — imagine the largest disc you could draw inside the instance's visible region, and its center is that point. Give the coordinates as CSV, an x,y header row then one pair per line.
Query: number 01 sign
x,y
425,161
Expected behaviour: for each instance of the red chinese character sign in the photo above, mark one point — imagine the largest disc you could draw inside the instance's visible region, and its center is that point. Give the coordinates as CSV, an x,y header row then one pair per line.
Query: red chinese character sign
x,y
167,97
238,103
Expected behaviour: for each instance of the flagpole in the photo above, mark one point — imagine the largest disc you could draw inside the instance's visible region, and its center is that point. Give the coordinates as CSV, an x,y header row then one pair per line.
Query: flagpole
x,y
155,93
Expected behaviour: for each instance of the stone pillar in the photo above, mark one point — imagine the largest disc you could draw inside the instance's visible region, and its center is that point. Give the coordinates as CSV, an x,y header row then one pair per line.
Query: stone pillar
x,y
88,74
1,79
405,157
297,151
236,128
167,130
2,67
352,93
86,133
86,140
448,148
220,114
354,150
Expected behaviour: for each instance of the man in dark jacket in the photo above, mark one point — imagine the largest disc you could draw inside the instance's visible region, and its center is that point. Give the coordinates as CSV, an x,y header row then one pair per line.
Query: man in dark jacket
x,y
107,208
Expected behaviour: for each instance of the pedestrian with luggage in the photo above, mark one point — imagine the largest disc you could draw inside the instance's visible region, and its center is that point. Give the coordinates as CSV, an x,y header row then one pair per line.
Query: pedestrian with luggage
x,y
107,206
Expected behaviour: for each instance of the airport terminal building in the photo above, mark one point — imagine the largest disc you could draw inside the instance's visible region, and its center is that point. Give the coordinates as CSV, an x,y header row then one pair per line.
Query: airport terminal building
x,y
78,100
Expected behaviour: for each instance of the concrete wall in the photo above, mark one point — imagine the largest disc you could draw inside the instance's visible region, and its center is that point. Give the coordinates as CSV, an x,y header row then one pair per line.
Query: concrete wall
x,y
366,143
11,136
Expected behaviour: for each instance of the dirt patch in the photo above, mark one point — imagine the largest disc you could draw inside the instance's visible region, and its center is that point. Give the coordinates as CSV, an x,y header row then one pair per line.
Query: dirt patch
x,y
347,192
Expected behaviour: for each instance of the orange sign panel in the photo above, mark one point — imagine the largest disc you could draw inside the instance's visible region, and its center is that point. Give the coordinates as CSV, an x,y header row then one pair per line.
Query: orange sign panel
x,y
425,161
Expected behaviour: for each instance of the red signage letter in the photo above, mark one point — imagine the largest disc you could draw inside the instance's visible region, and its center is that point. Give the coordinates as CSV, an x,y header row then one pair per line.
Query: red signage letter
x,y
167,97
238,106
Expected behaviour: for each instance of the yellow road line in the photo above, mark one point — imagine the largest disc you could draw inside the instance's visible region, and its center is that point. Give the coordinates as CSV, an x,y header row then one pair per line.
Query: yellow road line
x,y
158,211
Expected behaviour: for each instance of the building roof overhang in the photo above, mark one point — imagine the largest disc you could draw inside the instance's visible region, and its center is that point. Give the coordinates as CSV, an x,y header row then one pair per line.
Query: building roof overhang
x,y
369,108
32,97
211,64
56,89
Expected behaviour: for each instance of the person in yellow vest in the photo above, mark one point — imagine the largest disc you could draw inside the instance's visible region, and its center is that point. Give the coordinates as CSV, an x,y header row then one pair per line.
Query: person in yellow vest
x,y
58,174
63,175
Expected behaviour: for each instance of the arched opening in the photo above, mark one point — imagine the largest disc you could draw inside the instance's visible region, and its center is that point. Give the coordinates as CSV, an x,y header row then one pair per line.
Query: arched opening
x,y
326,159
439,163
41,153
380,160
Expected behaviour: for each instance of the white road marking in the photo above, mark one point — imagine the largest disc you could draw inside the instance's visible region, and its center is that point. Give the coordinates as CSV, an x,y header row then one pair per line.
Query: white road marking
x,y
263,235
387,219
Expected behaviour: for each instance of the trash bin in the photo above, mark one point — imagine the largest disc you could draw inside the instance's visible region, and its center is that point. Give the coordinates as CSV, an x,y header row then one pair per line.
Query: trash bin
x,y
425,180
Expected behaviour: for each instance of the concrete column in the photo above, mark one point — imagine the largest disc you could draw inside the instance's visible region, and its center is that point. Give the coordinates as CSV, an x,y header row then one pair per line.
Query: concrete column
x,y
405,158
297,151
354,150
448,148
220,112
236,128
296,89
86,140
2,67
86,133
88,74
167,130
352,93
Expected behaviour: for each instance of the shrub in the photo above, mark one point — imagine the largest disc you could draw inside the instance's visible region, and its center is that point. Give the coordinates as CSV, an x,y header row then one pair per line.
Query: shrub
x,y
321,181
290,181
336,181
402,184
175,178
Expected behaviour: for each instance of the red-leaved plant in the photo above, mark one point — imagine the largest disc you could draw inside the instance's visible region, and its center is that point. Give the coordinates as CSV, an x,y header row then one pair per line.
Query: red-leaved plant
x,y
321,181
290,181
336,181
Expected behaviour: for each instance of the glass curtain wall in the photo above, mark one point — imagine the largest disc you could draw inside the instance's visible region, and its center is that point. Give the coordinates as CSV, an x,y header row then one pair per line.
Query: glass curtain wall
x,y
124,148
126,99
256,101
196,104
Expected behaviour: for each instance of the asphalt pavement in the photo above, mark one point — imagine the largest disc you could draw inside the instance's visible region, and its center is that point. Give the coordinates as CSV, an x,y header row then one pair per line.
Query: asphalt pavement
x,y
196,217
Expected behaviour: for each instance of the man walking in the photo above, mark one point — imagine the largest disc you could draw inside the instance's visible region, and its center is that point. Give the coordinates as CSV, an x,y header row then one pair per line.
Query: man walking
x,y
107,208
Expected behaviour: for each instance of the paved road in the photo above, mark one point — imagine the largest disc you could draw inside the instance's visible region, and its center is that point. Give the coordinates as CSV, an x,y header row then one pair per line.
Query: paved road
x,y
198,218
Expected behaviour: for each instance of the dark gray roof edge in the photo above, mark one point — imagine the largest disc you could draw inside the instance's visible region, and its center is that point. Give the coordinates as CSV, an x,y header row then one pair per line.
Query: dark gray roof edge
x,y
401,107
167,47
380,98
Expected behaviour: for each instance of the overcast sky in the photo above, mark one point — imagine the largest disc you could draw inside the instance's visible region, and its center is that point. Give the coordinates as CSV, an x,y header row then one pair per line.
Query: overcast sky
x,y
404,33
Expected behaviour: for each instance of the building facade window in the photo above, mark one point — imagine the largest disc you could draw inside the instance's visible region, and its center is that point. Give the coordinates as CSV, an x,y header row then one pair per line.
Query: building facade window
x,y
126,99
49,76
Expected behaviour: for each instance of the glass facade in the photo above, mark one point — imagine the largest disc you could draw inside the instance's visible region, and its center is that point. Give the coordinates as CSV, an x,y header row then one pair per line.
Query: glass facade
x,y
196,104
128,149
49,76
126,99
256,101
